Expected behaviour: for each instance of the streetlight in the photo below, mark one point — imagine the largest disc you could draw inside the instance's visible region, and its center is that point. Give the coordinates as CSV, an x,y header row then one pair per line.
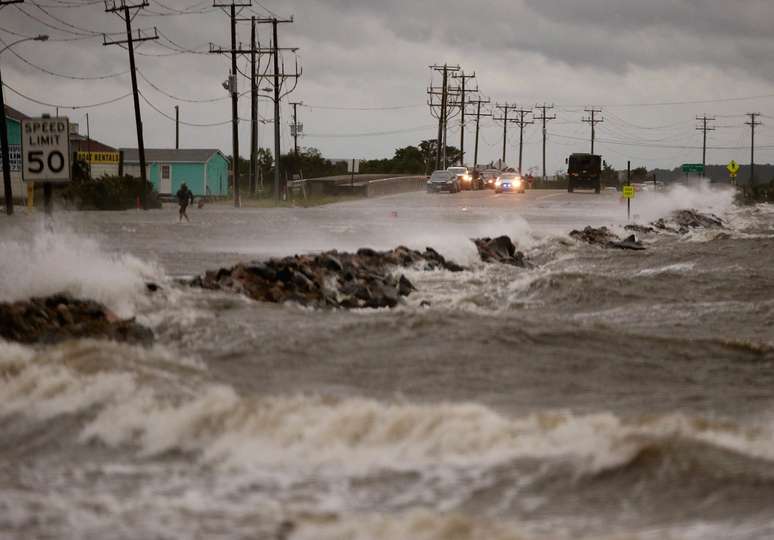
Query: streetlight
x,y
4,132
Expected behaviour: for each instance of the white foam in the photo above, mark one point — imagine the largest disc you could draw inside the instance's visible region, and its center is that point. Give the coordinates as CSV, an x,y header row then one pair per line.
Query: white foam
x,y
678,268
53,262
701,196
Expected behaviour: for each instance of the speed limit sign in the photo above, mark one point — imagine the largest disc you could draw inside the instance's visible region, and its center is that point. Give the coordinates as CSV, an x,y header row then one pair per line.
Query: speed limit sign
x,y
46,150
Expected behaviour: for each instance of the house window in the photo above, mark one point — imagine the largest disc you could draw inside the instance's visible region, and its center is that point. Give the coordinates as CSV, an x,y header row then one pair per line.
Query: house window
x,y
165,173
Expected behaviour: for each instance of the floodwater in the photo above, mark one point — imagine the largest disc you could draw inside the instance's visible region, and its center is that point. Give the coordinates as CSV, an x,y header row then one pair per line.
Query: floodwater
x,y
602,394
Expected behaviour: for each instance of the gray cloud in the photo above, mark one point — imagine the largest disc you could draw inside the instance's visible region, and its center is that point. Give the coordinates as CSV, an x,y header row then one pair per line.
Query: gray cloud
x,y
376,53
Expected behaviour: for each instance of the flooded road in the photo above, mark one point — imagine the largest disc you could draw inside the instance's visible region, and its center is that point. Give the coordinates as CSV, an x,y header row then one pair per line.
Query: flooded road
x,y
602,394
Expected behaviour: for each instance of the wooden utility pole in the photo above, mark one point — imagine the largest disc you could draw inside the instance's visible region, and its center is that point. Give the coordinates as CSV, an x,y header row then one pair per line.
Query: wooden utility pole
x,y
177,127
253,108
278,77
753,123
521,121
506,108
593,120
295,124
544,118
704,128
463,91
443,112
123,10
479,114
232,88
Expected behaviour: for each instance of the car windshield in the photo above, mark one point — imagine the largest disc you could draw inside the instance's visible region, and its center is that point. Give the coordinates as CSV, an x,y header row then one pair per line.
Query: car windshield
x,y
439,176
509,176
457,170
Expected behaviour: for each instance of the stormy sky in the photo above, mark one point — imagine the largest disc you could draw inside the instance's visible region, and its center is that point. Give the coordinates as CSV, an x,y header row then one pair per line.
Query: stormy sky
x,y
651,66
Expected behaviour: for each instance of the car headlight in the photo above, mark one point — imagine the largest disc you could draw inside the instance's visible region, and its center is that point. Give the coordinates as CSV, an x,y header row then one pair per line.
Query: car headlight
x,y
498,182
517,182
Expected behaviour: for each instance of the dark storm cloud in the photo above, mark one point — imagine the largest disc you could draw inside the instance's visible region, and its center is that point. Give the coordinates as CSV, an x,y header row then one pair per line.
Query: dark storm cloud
x,y
377,53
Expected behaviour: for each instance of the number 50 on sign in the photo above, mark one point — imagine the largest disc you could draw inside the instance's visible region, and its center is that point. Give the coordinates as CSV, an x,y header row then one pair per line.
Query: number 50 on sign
x,y
46,150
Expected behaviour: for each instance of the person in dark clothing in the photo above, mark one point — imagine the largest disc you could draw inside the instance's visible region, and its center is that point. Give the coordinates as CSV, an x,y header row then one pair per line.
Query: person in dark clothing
x,y
184,198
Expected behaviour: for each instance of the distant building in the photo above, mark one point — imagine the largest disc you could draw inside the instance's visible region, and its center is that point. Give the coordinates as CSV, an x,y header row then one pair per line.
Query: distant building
x,y
13,127
103,160
205,171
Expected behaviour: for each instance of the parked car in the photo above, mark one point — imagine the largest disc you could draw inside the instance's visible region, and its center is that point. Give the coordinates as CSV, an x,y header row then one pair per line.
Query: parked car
x,y
510,183
464,176
489,177
443,181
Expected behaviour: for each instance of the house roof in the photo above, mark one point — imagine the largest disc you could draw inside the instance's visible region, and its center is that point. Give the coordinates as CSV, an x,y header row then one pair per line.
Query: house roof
x,y
10,112
79,143
158,155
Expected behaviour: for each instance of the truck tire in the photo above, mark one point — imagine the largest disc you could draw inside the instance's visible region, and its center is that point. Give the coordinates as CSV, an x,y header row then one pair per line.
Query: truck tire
x,y
570,186
598,187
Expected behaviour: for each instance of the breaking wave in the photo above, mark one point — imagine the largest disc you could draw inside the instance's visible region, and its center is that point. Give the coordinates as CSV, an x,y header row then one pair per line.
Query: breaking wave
x,y
53,262
162,405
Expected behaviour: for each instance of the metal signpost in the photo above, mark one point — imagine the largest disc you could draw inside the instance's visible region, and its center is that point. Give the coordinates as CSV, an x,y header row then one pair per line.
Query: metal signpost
x,y
733,169
46,154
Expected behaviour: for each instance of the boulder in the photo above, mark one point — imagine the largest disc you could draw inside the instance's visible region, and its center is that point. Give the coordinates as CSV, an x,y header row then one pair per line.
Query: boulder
x,y
683,221
61,317
500,250
603,237
328,280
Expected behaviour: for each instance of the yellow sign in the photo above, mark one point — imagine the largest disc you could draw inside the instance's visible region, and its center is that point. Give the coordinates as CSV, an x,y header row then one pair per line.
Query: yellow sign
x,y
628,192
733,167
110,158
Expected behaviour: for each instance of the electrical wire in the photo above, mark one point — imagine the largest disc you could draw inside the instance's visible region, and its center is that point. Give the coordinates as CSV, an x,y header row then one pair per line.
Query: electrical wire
x,y
73,107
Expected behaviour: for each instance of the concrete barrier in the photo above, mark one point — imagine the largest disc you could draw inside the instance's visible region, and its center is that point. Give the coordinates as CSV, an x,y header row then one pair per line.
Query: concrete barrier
x,y
391,186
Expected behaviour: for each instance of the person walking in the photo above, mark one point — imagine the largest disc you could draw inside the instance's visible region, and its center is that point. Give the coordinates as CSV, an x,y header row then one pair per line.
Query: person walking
x,y
184,198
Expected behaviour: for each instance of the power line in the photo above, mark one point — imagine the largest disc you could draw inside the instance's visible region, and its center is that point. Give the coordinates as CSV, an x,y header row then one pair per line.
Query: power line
x,y
72,107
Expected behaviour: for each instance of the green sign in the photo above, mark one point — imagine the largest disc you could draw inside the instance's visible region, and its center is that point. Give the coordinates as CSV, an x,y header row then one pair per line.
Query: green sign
x,y
693,168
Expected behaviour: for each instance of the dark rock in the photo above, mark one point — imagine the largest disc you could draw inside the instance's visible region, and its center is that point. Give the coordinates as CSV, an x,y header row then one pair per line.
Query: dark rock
x,y
330,279
152,287
500,250
604,238
630,242
642,229
405,287
683,221
60,317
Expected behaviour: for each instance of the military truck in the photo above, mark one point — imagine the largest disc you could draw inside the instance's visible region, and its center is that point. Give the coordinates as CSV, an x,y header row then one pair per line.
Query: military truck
x,y
584,171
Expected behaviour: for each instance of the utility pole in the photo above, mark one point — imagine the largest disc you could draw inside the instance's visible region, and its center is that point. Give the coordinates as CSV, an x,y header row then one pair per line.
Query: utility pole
x,y
593,120
278,77
232,88
544,118
753,123
295,124
463,91
479,114
253,108
443,112
522,122
704,128
506,109
177,127
123,10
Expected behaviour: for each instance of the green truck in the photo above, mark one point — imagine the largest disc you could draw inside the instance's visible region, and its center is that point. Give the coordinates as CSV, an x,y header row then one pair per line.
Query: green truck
x,y
584,171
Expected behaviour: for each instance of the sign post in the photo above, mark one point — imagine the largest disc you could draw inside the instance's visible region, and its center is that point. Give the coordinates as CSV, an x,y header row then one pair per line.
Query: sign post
x,y
733,169
46,154
353,167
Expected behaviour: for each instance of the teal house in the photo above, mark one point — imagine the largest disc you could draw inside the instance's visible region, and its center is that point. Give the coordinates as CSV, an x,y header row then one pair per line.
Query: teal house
x,y
13,119
205,171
